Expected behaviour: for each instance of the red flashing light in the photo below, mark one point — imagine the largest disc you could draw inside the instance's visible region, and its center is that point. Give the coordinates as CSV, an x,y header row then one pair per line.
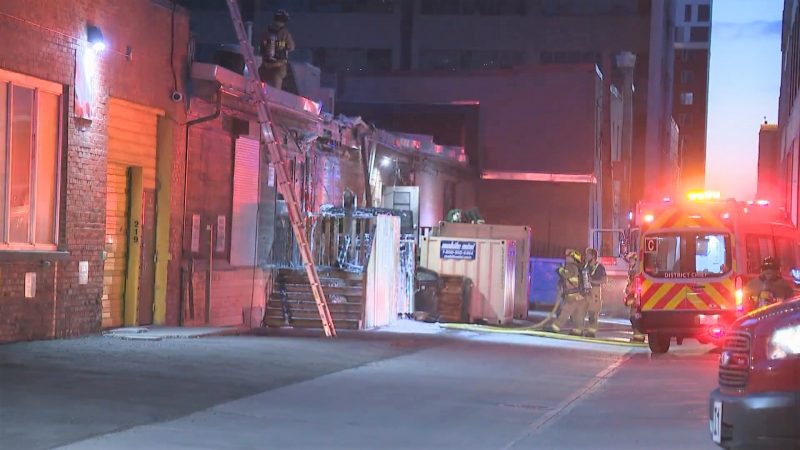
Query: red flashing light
x,y
716,332
739,294
637,290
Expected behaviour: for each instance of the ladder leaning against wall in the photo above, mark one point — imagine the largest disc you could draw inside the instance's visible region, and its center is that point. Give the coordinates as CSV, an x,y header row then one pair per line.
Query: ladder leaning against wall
x,y
278,157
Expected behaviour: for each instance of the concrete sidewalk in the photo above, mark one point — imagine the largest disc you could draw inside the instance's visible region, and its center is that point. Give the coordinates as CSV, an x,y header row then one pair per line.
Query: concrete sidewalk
x,y
156,333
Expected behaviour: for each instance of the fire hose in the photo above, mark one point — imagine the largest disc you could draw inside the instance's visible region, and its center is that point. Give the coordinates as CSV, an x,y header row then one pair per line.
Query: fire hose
x,y
551,315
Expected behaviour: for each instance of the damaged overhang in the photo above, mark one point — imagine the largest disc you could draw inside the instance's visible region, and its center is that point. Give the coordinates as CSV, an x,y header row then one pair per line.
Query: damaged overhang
x,y
232,81
538,176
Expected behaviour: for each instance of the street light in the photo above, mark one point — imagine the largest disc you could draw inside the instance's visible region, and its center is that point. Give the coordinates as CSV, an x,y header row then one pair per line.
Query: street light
x,y
386,161
95,38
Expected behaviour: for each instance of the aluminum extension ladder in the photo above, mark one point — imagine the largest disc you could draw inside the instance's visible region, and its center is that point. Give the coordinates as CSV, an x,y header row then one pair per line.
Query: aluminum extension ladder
x,y
278,157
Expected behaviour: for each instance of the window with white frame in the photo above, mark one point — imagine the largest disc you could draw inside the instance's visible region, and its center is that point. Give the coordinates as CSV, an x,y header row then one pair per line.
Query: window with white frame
x,y
30,130
687,98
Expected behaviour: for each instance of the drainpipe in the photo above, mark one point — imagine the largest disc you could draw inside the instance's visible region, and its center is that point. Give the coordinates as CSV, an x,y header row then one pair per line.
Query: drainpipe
x,y
189,124
366,169
210,271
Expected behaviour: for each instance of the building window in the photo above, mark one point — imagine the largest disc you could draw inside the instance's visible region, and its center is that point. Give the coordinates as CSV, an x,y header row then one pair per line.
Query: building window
x,y
379,59
680,34
469,59
440,59
687,13
704,13
593,8
685,120
700,34
325,6
687,98
569,57
687,77
351,59
474,7
30,124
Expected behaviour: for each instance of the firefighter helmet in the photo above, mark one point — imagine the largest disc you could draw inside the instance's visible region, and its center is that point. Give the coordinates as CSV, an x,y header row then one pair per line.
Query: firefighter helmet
x,y
281,16
574,254
770,263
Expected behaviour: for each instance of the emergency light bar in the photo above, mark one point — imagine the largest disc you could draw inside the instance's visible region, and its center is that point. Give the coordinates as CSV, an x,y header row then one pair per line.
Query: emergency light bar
x,y
699,196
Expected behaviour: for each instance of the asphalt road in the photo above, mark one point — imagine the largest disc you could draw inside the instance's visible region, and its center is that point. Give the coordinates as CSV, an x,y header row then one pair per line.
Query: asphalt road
x,y
368,390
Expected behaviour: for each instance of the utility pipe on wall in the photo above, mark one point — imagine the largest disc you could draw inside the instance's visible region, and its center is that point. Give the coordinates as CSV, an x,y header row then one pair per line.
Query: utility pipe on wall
x,y
189,124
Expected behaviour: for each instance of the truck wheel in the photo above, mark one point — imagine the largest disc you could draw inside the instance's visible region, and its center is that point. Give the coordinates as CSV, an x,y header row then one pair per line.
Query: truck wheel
x,y
659,343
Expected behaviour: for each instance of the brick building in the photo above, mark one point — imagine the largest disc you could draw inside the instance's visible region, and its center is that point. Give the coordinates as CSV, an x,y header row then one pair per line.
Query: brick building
x,y
236,230
85,198
789,108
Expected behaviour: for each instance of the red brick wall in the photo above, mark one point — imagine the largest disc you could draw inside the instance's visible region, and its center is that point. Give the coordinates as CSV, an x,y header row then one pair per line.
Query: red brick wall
x,y
40,38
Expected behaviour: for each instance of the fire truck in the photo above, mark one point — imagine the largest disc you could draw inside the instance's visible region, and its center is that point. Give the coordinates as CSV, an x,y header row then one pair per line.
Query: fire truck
x,y
695,257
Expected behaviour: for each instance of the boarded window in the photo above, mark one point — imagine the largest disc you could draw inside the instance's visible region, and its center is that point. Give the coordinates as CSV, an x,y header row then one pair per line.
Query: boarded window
x,y
245,202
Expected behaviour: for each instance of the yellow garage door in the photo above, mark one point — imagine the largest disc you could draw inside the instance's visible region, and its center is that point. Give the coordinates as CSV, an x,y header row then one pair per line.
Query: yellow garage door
x,y
132,133
116,244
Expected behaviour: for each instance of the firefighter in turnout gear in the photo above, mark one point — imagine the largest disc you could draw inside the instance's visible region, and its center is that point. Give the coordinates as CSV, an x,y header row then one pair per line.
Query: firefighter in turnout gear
x,y
769,287
276,43
632,259
574,302
594,277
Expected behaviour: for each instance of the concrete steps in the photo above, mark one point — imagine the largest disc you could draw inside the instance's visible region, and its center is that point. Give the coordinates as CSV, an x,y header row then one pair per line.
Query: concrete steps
x,y
292,301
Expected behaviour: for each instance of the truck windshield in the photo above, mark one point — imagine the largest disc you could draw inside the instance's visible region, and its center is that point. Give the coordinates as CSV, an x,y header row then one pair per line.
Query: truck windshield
x,y
687,254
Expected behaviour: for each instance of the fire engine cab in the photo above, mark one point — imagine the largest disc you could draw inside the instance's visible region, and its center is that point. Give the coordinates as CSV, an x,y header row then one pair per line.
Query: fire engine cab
x,y
696,255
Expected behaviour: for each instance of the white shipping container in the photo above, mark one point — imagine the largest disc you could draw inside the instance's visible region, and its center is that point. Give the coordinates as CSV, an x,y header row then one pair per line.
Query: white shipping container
x,y
519,233
489,263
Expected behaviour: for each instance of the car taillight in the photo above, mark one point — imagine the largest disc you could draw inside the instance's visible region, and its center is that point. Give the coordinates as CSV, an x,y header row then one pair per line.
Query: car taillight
x,y
739,294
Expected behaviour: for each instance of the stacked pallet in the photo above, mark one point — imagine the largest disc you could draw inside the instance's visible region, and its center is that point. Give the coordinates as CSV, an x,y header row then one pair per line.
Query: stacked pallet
x,y
453,298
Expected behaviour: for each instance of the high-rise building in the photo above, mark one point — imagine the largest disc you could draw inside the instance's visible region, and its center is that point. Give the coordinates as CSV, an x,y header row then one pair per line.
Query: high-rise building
x,y
789,106
690,89
769,159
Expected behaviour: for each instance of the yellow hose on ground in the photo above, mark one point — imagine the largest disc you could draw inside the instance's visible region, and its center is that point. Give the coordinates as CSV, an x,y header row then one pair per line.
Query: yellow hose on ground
x,y
528,332
550,316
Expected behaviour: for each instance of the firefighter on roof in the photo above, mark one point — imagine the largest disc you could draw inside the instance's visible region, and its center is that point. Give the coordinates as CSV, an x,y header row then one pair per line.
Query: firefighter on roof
x,y
276,43
769,287
594,277
574,303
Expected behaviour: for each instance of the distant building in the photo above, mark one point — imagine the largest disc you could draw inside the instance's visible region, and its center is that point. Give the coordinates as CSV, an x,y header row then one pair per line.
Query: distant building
x,y
789,107
541,147
690,88
354,42
769,167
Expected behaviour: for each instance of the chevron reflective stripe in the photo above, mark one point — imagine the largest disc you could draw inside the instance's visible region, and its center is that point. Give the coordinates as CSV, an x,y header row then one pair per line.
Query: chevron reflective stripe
x,y
670,296
659,295
714,296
